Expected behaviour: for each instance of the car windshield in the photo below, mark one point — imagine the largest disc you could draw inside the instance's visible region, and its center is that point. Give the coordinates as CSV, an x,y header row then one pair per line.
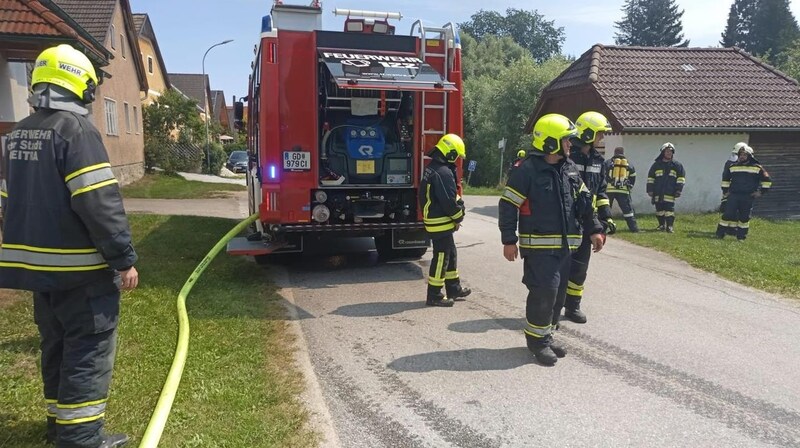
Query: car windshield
x,y
238,156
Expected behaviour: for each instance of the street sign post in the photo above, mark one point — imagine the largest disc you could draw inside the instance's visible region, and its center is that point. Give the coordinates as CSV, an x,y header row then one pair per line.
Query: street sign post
x,y
470,168
501,145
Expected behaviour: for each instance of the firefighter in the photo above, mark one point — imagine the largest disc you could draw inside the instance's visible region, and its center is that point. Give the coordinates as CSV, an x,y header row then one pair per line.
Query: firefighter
x,y
732,159
742,182
591,127
665,182
547,200
67,239
621,177
443,211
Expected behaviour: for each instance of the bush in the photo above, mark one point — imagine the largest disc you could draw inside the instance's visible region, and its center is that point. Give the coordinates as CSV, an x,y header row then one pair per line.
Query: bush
x,y
173,157
234,147
218,158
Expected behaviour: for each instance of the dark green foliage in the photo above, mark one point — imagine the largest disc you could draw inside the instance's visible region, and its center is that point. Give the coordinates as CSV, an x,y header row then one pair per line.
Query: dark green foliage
x,y
529,29
651,23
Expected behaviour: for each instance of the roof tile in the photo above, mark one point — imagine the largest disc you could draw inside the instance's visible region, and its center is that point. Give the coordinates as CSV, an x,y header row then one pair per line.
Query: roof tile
x,y
94,16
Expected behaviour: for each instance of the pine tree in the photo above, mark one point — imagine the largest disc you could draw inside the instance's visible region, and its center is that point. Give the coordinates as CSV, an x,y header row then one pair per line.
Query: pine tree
x,y
651,23
740,23
773,28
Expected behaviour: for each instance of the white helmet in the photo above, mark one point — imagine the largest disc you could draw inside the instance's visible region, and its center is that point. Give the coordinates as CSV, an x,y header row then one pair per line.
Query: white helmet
x,y
739,146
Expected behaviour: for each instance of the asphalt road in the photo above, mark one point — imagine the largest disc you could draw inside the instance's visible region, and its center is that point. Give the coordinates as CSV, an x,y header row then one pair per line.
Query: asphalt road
x,y
671,356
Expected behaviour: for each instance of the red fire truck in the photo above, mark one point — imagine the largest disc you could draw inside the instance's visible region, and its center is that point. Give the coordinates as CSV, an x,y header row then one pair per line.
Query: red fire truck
x,y
338,126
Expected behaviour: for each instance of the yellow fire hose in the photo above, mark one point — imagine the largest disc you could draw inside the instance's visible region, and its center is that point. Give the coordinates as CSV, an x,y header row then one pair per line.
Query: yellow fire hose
x,y
158,420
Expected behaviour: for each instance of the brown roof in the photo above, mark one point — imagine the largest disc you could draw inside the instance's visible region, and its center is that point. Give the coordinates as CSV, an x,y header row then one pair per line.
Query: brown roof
x,y
138,22
144,28
93,15
32,19
191,85
669,88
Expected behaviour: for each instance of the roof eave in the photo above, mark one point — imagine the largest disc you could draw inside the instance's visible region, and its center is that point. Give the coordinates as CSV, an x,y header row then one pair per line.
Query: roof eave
x,y
716,129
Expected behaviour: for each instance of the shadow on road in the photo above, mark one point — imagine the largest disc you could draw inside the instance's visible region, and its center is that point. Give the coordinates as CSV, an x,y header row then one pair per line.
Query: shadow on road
x,y
377,309
487,210
486,325
470,360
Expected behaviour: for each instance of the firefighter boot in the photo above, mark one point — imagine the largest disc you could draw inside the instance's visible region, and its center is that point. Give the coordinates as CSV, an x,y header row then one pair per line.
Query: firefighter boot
x,y
458,293
557,347
436,298
542,351
572,310
632,225
114,441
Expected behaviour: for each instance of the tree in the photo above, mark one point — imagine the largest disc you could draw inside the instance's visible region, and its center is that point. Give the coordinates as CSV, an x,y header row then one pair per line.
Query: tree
x,y
651,23
774,28
489,56
172,118
529,29
740,23
497,107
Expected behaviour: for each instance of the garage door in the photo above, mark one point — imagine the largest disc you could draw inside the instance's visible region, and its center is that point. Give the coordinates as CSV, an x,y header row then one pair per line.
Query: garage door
x,y
779,153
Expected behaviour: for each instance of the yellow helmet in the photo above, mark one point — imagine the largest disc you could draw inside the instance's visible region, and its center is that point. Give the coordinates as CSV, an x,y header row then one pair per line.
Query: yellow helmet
x,y
589,124
521,153
452,147
66,67
548,132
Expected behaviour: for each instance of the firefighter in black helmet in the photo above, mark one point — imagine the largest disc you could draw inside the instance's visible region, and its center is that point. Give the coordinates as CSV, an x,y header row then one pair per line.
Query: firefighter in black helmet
x,y
442,213
67,239
591,127
548,202
665,182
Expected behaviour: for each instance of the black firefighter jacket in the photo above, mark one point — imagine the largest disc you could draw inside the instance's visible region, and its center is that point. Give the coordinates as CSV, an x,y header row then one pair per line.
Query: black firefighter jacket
x,y
745,177
665,180
63,220
627,181
549,204
442,207
593,172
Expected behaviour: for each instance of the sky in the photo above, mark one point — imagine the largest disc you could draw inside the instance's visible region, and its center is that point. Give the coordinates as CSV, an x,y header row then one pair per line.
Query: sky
x,y
185,29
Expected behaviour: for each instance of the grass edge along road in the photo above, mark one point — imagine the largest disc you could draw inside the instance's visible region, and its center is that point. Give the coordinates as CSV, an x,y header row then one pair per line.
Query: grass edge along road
x,y
767,260
163,186
240,386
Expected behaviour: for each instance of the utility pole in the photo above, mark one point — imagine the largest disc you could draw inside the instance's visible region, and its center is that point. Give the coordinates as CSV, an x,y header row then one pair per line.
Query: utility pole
x,y
501,145
206,106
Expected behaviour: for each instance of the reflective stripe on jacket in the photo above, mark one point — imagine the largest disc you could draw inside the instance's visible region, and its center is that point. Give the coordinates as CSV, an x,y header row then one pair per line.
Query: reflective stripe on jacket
x,y
549,204
745,178
64,224
665,180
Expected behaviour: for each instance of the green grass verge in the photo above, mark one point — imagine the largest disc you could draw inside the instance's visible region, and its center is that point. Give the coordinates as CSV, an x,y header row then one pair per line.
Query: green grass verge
x,y
160,186
767,260
240,385
482,191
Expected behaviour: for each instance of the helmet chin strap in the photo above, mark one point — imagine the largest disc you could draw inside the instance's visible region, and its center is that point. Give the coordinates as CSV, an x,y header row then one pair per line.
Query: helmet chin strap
x,y
51,96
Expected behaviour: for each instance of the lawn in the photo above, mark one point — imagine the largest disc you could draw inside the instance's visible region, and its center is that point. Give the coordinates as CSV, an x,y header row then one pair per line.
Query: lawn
x,y
161,186
768,259
482,191
240,385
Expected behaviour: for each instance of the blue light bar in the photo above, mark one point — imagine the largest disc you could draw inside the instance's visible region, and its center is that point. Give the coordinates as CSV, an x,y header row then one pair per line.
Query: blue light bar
x,y
266,24
273,172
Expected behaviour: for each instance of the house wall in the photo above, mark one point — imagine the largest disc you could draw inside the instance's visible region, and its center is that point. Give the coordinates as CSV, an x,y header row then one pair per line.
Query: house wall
x,y
702,156
155,80
13,91
126,148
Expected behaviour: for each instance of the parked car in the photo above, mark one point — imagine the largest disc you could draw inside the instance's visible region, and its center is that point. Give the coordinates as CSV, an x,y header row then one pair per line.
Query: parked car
x,y
237,162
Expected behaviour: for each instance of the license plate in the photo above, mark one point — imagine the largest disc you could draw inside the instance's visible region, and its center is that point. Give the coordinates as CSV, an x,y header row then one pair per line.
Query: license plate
x,y
296,160
365,167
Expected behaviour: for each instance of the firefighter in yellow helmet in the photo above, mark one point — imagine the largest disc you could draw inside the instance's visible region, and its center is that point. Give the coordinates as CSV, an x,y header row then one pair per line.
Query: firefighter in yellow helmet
x,y
591,128
521,154
66,238
442,212
548,203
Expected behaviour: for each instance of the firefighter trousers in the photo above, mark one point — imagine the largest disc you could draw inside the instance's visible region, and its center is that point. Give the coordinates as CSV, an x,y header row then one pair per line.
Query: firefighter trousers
x,y
444,267
665,213
579,266
625,205
546,274
78,330
736,218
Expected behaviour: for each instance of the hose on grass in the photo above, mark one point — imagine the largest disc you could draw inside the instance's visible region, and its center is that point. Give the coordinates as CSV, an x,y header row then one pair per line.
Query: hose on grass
x,y
158,420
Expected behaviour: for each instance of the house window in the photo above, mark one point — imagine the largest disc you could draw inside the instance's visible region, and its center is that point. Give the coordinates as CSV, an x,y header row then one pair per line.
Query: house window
x,y
136,119
113,33
150,64
122,46
111,116
127,108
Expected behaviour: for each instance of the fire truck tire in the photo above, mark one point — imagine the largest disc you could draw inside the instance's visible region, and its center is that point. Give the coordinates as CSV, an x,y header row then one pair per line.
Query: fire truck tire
x,y
383,245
